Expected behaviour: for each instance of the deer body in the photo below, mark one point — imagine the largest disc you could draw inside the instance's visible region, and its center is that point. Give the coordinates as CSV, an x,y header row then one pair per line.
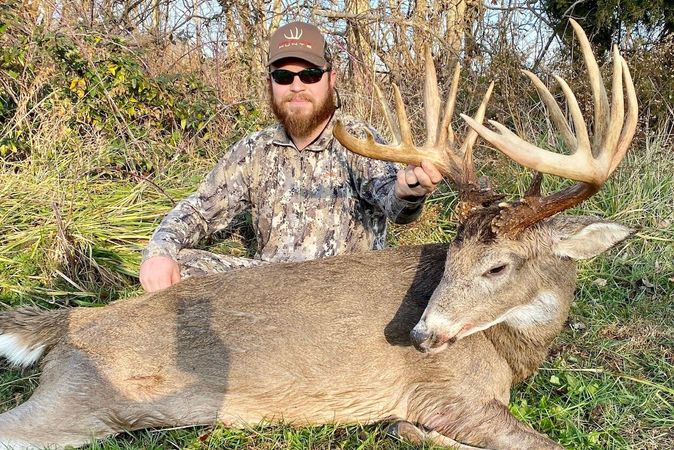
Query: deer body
x,y
305,343
240,347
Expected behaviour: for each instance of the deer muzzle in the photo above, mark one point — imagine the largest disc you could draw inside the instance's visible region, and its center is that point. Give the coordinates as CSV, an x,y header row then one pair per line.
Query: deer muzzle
x,y
426,340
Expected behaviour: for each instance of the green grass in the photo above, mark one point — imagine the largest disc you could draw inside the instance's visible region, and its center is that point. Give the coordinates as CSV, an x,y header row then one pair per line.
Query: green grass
x,y
262,438
72,229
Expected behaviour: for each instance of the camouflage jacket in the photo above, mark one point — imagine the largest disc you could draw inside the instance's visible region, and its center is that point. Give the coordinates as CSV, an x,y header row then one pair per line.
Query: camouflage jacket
x,y
308,204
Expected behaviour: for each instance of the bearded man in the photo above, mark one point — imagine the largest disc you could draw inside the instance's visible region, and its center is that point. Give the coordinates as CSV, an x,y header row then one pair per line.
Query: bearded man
x,y
308,196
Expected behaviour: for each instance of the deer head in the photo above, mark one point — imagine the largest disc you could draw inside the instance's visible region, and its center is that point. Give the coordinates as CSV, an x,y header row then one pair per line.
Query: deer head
x,y
513,262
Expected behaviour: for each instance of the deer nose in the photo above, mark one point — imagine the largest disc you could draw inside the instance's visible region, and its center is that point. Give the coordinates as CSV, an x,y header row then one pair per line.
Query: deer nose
x,y
426,340
421,337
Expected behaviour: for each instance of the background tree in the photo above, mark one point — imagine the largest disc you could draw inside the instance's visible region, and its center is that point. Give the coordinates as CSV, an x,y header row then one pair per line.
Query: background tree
x,y
608,21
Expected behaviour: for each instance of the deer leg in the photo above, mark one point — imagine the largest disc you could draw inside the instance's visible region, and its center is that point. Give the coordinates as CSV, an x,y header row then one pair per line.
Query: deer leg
x,y
53,420
411,433
490,426
69,407
34,426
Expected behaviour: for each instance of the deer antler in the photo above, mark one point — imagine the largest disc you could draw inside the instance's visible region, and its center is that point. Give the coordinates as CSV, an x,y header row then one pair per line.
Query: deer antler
x,y
440,148
590,164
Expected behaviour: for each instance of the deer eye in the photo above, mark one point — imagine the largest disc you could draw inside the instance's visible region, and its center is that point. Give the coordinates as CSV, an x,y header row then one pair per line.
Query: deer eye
x,y
495,271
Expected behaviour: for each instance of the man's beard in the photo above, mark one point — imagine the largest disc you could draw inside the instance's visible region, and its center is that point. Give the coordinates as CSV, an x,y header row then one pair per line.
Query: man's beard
x,y
302,125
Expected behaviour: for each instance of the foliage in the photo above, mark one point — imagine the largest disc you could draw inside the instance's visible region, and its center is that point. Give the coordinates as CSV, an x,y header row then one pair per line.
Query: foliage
x,y
645,32
103,87
605,20
653,73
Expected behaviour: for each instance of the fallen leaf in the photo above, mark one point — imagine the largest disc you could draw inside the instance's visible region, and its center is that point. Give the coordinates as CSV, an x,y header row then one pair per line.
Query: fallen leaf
x,y
601,282
647,283
577,325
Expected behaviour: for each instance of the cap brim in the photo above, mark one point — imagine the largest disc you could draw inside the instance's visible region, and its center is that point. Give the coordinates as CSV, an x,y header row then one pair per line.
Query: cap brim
x,y
313,59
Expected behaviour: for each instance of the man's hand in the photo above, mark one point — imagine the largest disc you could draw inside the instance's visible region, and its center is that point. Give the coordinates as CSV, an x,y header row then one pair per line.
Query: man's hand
x,y
414,181
159,272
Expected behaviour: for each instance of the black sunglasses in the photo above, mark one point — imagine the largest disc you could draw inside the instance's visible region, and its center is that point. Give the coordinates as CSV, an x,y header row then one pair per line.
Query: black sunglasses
x,y
307,76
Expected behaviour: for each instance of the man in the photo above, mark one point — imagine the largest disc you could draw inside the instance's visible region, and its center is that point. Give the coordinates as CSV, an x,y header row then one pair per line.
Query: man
x,y
309,197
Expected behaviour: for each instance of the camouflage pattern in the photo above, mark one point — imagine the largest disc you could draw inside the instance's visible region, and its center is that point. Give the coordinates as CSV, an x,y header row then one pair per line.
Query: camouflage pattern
x,y
194,262
317,202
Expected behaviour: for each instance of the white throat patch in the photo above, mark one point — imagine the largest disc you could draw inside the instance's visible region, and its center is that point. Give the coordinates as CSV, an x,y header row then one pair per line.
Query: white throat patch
x,y
543,309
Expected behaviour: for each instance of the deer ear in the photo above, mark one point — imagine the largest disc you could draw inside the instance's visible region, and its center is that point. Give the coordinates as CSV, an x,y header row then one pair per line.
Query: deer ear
x,y
585,237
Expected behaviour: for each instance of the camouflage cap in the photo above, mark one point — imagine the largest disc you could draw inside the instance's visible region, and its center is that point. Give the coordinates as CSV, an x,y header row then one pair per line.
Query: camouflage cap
x,y
298,40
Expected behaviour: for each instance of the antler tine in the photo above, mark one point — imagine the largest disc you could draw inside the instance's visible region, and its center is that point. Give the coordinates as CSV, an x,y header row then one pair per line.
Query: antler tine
x,y
403,123
630,126
591,163
431,100
555,111
392,124
600,100
583,147
618,105
471,137
446,132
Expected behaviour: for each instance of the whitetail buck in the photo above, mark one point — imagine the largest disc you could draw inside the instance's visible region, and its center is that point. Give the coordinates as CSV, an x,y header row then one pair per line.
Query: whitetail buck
x,y
332,341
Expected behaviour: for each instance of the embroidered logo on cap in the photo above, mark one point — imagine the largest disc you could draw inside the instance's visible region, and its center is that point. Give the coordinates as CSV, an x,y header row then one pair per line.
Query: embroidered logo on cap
x,y
296,36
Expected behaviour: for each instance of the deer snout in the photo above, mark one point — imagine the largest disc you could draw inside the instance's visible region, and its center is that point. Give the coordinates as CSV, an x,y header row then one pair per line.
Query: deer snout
x,y
427,340
420,336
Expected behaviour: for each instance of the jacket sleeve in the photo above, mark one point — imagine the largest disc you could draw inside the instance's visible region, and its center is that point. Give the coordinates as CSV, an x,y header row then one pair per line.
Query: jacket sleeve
x,y
375,182
220,197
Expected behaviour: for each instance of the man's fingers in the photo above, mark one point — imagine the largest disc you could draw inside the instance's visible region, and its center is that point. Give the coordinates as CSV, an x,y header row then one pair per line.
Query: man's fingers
x,y
404,179
146,281
160,283
423,179
158,273
417,181
163,283
410,176
432,171
152,284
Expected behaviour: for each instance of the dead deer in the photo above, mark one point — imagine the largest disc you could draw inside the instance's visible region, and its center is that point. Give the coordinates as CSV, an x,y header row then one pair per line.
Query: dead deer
x,y
430,337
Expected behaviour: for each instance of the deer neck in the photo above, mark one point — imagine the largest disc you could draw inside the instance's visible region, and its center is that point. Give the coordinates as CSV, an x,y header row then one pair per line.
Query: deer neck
x,y
524,337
